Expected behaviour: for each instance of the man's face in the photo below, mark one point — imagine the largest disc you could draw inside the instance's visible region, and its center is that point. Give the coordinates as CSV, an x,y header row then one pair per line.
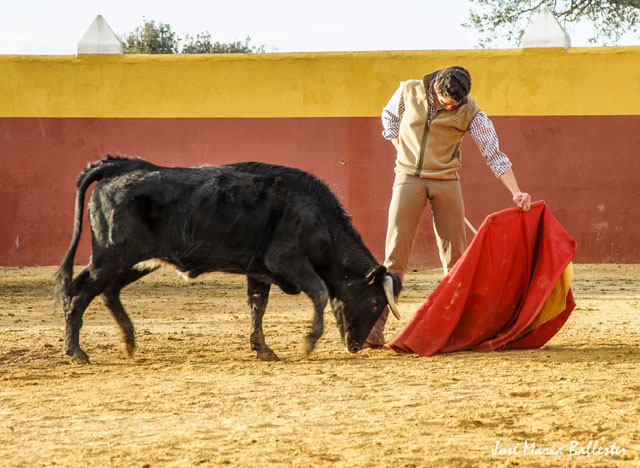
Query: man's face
x,y
445,103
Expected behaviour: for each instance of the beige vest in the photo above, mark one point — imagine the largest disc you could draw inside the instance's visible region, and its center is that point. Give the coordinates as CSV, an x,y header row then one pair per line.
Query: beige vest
x,y
431,149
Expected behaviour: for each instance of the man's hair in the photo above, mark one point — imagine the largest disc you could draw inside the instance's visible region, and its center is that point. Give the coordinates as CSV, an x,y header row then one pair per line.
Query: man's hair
x,y
453,83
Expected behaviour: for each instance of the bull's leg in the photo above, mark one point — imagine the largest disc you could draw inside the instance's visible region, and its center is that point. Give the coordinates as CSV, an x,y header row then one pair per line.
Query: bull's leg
x,y
319,295
111,299
84,288
258,293
301,273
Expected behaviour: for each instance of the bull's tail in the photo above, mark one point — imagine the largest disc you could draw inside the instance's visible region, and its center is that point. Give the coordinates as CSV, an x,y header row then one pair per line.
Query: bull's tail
x,y
107,167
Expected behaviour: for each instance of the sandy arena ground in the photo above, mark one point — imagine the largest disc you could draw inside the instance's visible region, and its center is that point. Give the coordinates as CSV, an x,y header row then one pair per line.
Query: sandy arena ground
x,y
195,396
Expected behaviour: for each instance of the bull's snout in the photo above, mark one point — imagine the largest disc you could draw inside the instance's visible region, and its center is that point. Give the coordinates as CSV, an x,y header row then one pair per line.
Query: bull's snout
x,y
353,349
352,345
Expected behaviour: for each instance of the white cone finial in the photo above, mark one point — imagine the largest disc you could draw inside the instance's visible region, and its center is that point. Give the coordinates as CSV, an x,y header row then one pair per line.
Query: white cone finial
x,y
99,39
545,31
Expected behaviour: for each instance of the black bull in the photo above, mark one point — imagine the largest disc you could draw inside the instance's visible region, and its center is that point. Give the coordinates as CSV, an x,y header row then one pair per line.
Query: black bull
x,y
274,224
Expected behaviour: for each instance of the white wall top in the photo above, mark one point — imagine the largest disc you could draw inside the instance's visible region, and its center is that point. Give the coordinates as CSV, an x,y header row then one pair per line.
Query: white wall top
x,y
99,39
545,31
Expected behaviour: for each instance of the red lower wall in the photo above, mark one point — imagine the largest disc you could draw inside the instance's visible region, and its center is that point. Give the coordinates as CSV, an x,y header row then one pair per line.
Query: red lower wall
x,y
586,168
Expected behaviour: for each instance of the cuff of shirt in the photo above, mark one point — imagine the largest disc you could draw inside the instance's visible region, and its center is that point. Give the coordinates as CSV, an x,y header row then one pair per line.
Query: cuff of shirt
x,y
389,134
501,169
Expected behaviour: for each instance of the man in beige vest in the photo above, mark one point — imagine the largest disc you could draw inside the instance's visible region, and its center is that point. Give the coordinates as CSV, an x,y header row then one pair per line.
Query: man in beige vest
x,y
426,120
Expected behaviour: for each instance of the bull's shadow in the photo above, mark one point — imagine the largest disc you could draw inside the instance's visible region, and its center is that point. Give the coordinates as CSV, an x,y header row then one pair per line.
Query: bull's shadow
x,y
580,353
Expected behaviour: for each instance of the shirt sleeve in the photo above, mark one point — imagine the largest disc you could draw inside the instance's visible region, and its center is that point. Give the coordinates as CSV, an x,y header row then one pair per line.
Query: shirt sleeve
x,y
392,115
483,133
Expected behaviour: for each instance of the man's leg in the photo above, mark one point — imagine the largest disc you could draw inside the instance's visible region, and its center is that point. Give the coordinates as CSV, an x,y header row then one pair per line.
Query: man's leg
x,y
408,202
447,208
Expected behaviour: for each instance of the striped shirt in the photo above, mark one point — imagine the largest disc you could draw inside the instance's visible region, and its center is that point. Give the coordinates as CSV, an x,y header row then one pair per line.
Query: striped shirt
x,y
480,128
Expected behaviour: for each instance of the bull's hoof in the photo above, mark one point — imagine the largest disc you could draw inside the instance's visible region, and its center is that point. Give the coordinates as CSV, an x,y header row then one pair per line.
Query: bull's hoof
x,y
308,344
267,355
129,349
79,357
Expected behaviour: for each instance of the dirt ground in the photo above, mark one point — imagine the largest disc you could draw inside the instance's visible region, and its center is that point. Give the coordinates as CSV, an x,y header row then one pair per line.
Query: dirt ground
x,y
195,396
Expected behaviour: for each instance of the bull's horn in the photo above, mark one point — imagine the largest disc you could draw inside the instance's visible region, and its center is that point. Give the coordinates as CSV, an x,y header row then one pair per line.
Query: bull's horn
x,y
387,284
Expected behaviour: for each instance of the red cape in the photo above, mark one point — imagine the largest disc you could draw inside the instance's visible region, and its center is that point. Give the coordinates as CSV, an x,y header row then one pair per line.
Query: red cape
x,y
496,289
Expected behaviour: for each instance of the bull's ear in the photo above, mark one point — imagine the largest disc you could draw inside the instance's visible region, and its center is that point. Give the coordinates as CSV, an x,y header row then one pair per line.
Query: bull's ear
x,y
377,272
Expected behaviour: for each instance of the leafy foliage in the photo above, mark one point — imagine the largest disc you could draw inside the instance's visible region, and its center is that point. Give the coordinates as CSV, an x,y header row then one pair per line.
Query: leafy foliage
x,y
152,38
202,44
611,19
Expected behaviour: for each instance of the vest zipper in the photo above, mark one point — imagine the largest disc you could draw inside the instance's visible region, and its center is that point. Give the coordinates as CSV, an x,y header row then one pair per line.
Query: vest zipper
x,y
423,144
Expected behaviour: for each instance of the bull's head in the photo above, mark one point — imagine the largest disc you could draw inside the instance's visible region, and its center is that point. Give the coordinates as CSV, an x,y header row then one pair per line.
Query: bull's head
x,y
358,302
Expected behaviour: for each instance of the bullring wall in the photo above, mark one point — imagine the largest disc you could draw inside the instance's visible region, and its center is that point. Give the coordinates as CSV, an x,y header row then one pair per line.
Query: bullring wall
x,y
568,119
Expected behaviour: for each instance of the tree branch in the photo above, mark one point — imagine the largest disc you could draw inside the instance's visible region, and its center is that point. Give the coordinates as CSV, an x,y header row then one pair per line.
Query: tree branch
x,y
509,18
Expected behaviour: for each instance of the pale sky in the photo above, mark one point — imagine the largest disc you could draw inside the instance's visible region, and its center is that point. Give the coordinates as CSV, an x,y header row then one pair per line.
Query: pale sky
x,y
54,27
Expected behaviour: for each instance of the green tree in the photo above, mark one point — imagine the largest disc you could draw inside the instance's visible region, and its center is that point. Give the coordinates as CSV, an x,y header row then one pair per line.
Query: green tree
x,y
611,19
202,44
152,38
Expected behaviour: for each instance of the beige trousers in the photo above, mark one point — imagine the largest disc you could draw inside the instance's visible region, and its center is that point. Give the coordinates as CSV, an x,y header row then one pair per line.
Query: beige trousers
x,y
408,202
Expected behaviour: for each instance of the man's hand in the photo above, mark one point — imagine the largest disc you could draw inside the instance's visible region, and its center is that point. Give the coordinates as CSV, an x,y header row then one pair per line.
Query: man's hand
x,y
523,200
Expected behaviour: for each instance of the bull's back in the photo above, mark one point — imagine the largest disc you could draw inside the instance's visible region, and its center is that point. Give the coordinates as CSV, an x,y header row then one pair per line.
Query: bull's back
x,y
200,219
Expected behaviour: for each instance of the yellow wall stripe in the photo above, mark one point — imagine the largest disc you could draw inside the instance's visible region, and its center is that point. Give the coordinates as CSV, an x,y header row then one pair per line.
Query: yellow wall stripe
x,y
551,81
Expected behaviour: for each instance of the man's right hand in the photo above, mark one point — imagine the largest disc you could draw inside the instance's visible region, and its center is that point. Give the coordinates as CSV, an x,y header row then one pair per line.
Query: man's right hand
x,y
523,200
